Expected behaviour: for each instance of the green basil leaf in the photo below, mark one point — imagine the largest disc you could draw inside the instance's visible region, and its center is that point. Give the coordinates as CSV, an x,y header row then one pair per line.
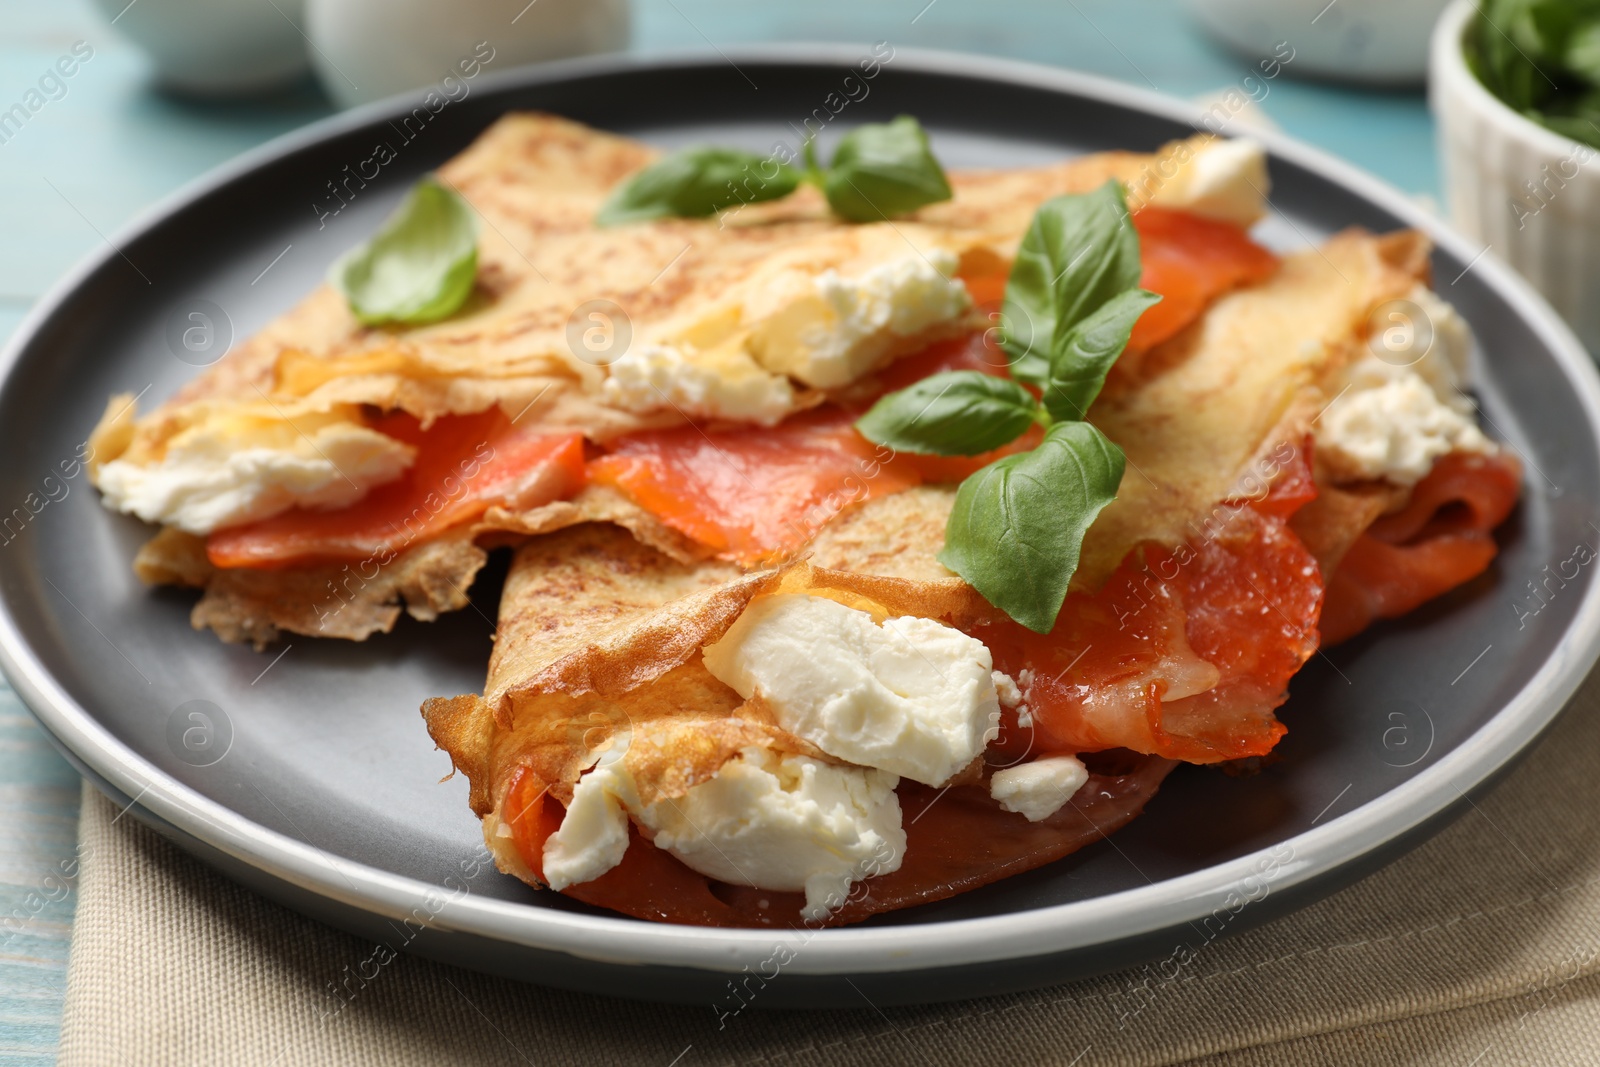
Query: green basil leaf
x,y
1582,55
1018,525
1080,251
419,267
697,182
884,169
1079,367
956,413
1539,57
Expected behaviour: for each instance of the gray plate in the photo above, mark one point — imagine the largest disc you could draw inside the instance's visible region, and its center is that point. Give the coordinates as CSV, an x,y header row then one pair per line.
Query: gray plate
x,y
319,787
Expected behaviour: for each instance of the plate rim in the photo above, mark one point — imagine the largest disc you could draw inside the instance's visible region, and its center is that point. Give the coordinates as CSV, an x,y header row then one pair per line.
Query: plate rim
x,y
1077,925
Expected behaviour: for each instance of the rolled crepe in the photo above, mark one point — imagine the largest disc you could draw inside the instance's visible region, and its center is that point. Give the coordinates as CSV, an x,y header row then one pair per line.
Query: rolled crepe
x,y
602,634
536,181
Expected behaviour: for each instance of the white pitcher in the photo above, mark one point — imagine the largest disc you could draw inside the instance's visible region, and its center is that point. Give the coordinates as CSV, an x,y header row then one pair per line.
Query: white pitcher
x,y
367,49
215,47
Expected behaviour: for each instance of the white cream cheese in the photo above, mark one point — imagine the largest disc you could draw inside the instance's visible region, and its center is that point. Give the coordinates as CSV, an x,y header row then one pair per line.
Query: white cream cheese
x,y
786,823
1393,417
655,377
910,696
1225,180
1038,789
594,832
1006,688
781,822
846,326
228,471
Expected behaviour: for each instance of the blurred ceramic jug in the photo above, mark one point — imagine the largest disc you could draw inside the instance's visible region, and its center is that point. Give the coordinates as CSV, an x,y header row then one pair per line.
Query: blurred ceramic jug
x,y
364,50
215,46
1377,41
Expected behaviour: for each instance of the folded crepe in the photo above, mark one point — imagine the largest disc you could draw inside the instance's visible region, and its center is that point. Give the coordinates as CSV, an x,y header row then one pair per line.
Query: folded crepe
x,y
624,753
732,683
318,413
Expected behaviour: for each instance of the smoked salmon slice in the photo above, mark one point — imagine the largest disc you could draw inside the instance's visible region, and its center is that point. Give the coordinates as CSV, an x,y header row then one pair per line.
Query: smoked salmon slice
x,y
1443,537
464,464
1190,261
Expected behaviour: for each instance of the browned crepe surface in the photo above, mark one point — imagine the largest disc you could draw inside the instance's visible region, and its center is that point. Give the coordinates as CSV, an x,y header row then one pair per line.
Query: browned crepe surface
x,y
536,181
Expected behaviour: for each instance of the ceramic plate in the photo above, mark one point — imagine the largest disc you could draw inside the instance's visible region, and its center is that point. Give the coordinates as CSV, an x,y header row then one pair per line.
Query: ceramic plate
x,y
316,784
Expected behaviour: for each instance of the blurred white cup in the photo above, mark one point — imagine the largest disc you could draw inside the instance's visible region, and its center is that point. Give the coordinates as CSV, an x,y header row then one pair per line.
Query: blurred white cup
x,y
1377,41
364,50
215,46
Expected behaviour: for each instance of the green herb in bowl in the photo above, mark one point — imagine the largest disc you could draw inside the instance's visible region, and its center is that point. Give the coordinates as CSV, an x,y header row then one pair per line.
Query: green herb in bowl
x,y
1542,59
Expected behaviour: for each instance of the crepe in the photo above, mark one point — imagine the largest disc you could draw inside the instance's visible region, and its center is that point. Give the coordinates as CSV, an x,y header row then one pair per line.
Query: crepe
x,y
536,181
600,634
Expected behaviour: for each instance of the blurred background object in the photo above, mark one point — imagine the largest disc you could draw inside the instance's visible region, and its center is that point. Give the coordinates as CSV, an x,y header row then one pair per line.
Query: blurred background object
x,y
365,50
1379,41
221,47
1529,193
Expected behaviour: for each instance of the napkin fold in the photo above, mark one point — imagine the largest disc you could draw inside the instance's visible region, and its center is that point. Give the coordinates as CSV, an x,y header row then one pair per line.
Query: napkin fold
x,y
1481,947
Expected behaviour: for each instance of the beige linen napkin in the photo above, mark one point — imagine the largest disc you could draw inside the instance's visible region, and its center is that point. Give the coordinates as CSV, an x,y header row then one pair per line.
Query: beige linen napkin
x,y
1479,948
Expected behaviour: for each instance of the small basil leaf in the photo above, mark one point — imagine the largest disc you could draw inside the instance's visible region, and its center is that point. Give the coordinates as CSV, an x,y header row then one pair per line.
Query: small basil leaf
x,y
1583,52
884,169
1080,251
419,267
697,182
1079,367
1527,52
957,413
1017,527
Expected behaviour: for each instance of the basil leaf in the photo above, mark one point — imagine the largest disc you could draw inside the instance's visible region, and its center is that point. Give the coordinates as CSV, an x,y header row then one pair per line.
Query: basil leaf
x,y
420,265
1080,251
956,413
1017,527
884,169
1542,58
1583,52
697,182
1079,367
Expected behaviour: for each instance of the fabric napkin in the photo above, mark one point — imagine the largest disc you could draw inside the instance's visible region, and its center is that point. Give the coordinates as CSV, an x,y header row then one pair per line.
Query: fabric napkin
x,y
1481,947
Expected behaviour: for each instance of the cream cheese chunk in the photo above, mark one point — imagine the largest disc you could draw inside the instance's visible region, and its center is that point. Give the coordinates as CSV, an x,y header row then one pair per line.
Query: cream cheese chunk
x,y
788,823
1391,418
228,471
1038,789
734,387
1225,180
774,821
910,696
847,326
594,832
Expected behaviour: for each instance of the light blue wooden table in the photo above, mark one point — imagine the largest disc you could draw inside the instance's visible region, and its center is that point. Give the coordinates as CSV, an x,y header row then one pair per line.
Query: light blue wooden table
x,y
88,162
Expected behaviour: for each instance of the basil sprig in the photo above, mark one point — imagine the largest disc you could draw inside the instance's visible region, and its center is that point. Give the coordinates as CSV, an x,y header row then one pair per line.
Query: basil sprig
x,y
420,265
1078,253
1018,524
1017,527
697,182
956,413
1542,59
879,170
884,169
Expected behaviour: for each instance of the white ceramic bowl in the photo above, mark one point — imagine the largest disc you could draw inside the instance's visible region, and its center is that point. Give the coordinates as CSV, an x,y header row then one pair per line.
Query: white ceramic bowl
x,y
215,47
365,50
1378,41
1529,194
